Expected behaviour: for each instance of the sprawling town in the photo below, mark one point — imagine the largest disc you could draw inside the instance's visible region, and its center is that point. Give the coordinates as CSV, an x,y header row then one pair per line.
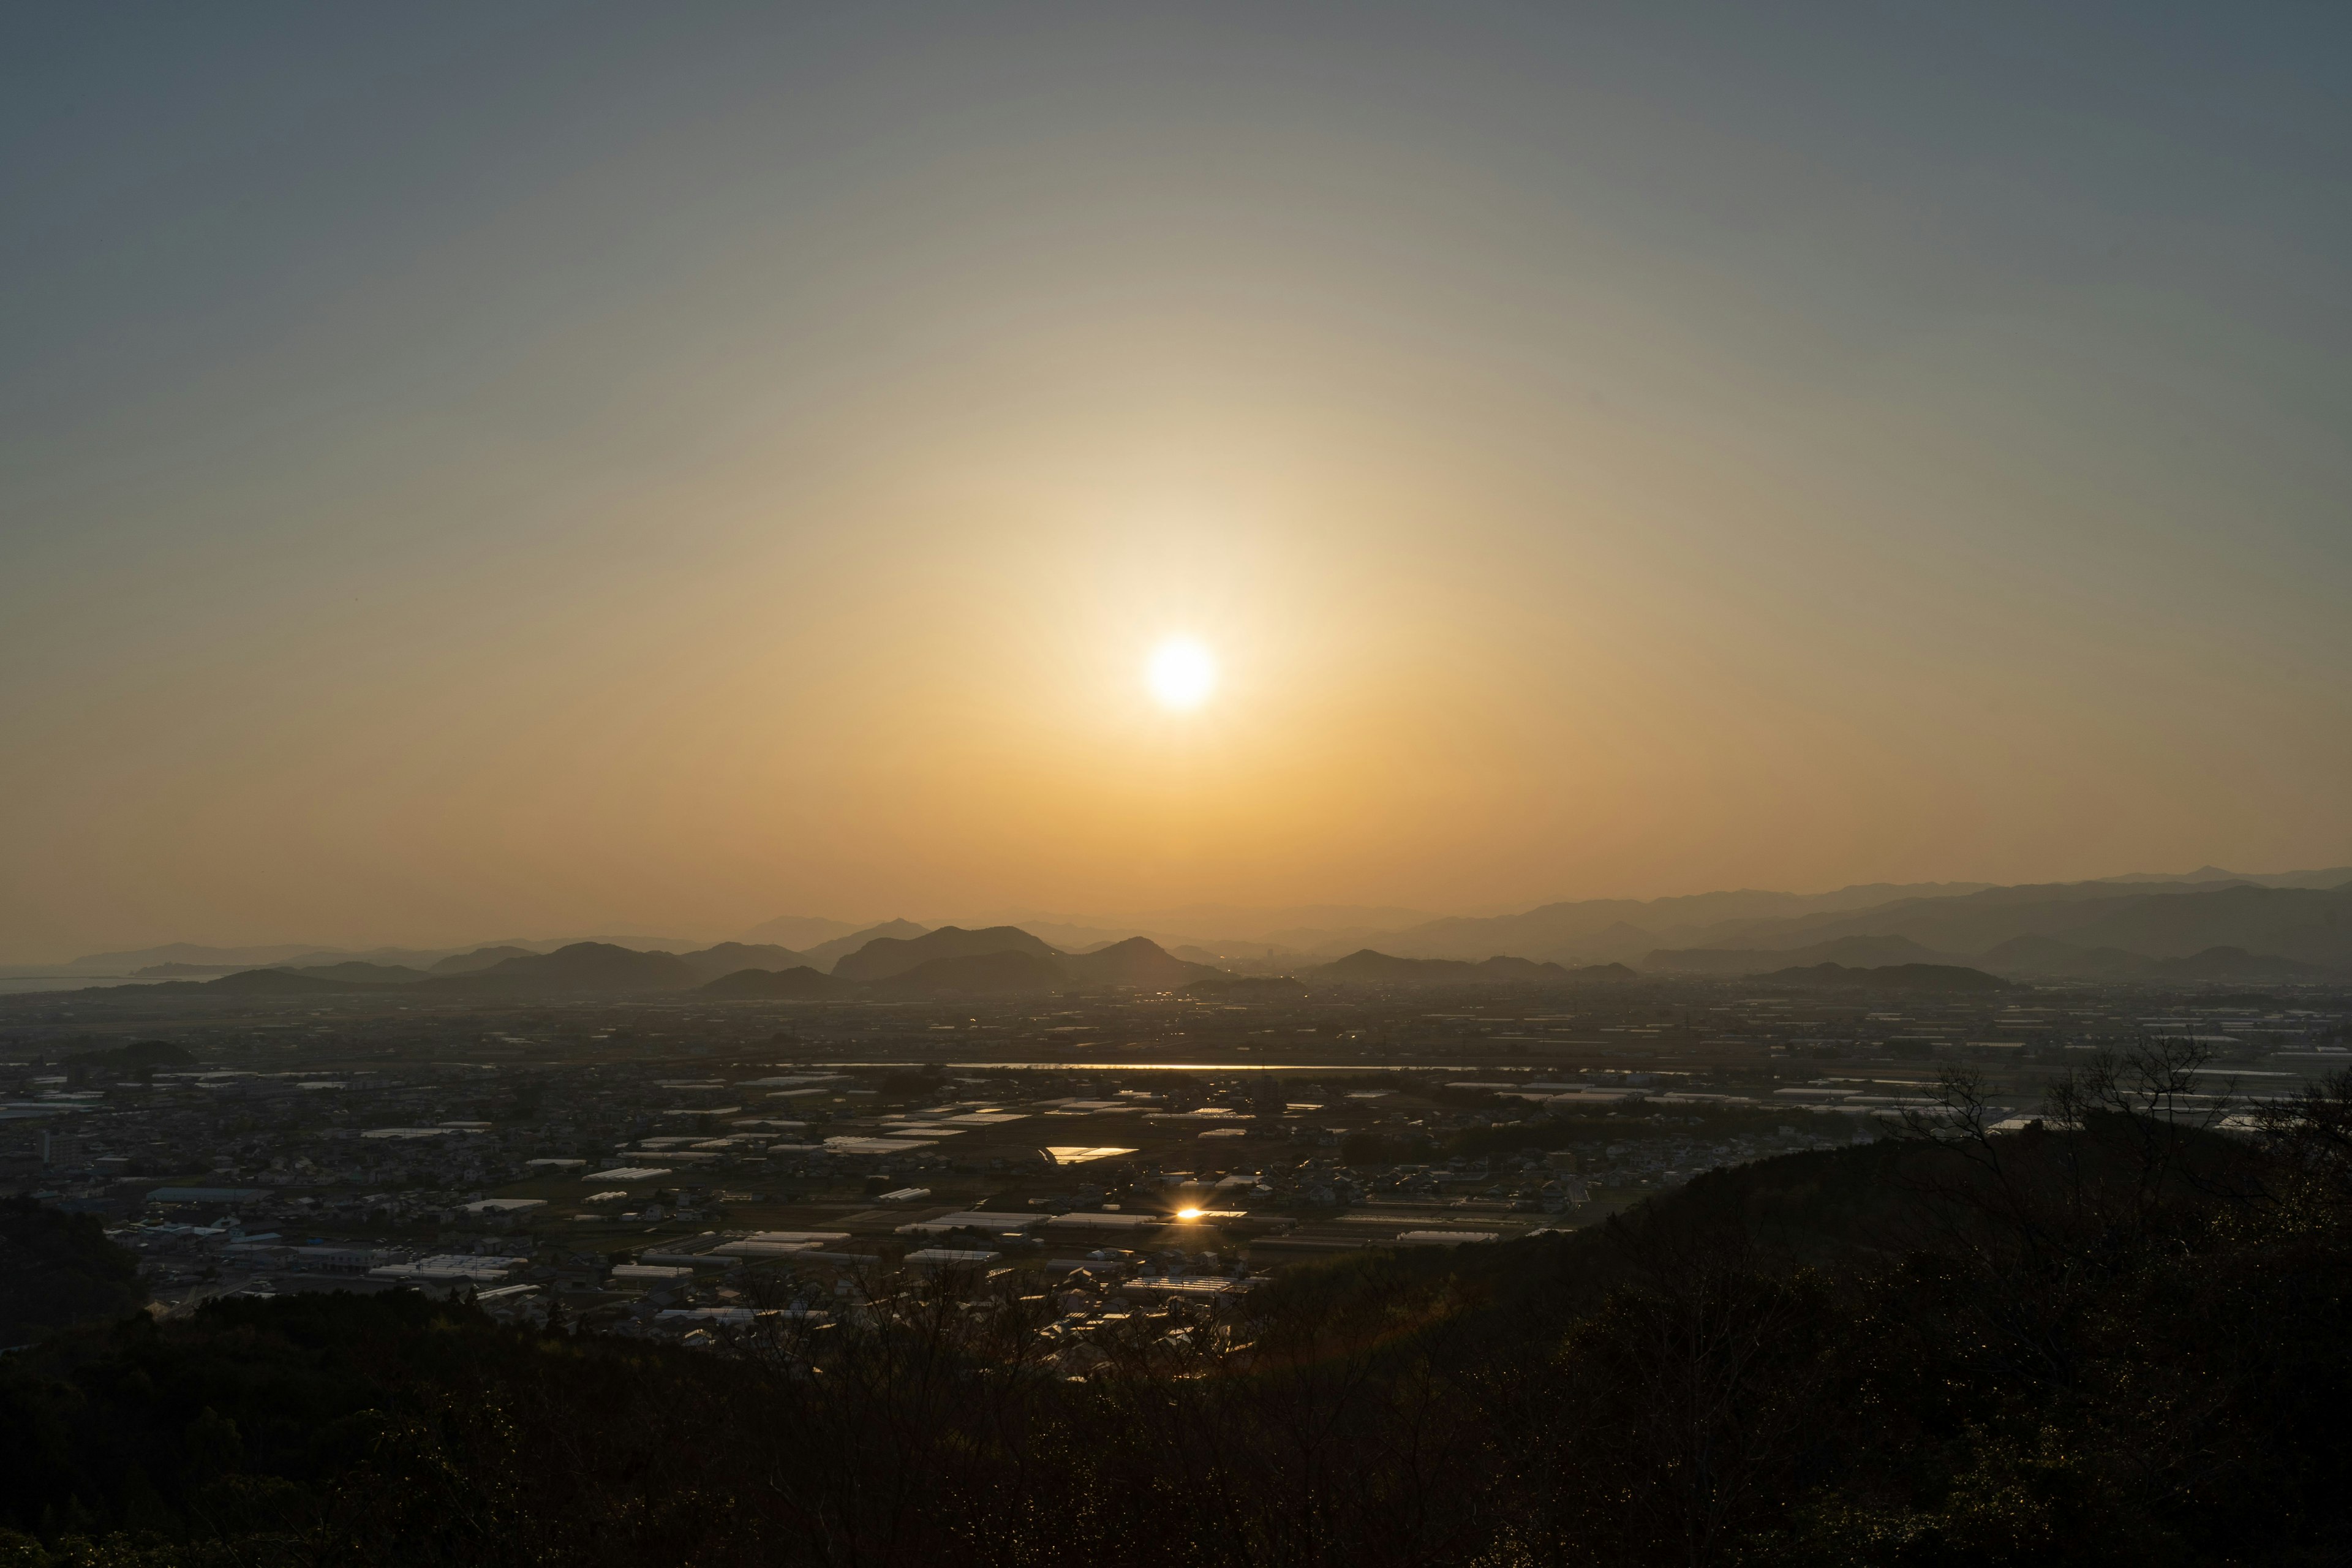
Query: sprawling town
x,y
689,1167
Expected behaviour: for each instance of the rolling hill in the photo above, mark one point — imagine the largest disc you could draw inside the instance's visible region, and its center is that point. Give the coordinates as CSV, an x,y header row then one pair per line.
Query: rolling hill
x,y
2305,916
886,956
2157,921
1138,962
1628,928
194,955
583,967
269,982
1888,977
481,958
1002,973
2207,924
799,984
136,1055
364,973
827,955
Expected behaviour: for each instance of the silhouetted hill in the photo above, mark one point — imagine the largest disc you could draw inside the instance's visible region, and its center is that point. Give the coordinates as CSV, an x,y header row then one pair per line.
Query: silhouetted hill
x,y
136,1055
481,958
1891,977
2305,924
828,954
193,954
1626,928
246,982
2334,876
58,1269
997,973
1366,967
798,985
1138,961
886,956
363,973
1524,969
272,983
583,967
729,957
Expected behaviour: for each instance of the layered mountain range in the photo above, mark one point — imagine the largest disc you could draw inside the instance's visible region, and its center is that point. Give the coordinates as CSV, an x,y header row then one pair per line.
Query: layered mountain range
x,y
2305,917
2209,925
950,961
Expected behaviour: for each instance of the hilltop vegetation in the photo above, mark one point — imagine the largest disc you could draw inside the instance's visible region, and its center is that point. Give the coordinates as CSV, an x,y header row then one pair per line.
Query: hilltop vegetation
x,y
2123,1341
57,1269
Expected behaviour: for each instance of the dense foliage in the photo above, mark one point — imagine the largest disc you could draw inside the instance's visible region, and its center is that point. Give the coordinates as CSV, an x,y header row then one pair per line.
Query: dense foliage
x,y
58,1268
2122,1340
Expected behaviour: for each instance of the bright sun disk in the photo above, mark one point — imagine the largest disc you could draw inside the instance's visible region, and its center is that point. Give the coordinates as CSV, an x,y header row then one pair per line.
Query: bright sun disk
x,y
1182,673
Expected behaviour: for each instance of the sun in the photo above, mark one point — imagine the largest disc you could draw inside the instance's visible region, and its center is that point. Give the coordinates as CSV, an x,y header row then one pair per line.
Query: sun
x,y
1182,673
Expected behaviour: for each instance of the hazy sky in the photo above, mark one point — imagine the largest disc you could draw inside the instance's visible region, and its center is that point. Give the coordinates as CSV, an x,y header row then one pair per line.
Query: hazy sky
x,y
503,469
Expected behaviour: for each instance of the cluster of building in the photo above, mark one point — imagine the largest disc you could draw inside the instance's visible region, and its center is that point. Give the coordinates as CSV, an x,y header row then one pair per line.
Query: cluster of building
x,y
680,1167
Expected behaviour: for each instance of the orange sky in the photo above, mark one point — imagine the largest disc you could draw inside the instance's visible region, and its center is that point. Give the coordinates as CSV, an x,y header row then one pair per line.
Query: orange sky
x,y
752,500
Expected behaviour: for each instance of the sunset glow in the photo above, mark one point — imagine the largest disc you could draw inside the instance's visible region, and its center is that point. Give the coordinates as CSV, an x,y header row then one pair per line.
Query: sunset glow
x,y
905,463
1182,674
777,670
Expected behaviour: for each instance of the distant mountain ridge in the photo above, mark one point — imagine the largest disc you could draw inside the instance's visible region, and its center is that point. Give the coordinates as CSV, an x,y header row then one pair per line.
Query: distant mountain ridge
x,y
801,984
1945,919
1567,932
1889,977
192,958
799,932
1007,961
1137,961
481,958
886,956
2140,926
2331,877
584,967
2079,930
825,954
